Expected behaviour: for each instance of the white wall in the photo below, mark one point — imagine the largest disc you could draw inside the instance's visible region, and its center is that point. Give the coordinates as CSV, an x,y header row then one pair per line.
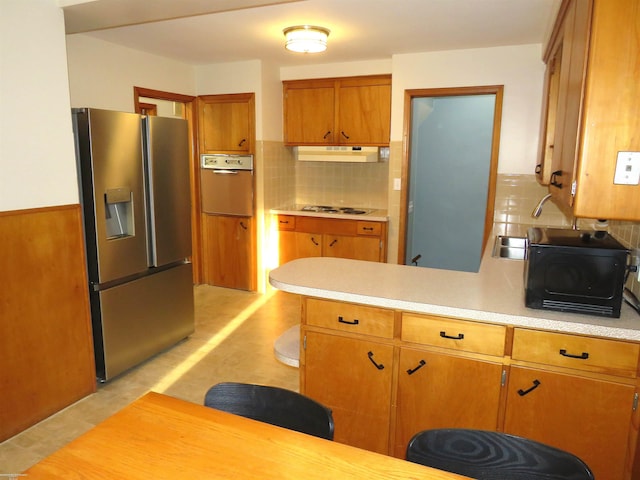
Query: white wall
x,y
519,68
102,74
233,77
37,159
349,69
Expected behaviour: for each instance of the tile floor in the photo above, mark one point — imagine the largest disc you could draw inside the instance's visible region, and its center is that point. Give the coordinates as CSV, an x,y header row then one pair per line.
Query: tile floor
x,y
233,341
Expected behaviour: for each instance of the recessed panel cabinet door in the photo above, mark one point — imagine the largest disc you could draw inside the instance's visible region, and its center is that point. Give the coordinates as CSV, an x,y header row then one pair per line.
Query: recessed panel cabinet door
x,y
588,417
353,378
444,391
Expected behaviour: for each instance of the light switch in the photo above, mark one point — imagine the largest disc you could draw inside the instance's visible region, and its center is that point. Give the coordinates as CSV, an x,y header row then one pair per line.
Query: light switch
x,y
627,169
396,184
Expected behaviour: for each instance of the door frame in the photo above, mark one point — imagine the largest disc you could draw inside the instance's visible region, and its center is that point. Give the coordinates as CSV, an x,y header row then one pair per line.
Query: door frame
x,y
409,95
191,117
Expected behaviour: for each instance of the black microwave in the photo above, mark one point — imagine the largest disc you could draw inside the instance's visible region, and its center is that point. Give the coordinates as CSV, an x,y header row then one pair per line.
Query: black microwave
x,y
575,271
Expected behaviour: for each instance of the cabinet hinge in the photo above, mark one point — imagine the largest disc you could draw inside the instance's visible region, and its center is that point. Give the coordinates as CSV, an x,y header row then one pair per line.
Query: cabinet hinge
x,y
304,342
574,186
635,401
503,380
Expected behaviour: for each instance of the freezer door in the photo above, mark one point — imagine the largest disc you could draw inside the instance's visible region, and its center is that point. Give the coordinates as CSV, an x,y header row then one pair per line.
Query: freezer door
x,y
110,155
142,318
167,145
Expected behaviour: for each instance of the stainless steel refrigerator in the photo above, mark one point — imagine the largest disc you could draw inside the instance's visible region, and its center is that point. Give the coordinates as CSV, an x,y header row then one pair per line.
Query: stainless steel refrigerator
x,y
134,188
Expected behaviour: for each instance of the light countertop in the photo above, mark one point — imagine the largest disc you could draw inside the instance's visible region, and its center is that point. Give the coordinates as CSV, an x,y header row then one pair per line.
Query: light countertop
x,y
375,216
495,294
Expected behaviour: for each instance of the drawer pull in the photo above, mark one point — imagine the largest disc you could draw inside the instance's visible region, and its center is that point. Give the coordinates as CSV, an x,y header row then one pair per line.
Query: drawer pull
x,y
379,366
368,229
536,384
564,353
460,336
355,321
286,222
411,371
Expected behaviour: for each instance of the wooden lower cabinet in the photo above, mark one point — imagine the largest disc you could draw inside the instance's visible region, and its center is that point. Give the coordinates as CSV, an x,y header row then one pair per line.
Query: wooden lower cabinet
x,y
444,391
588,417
357,248
353,378
388,374
228,251
301,237
294,245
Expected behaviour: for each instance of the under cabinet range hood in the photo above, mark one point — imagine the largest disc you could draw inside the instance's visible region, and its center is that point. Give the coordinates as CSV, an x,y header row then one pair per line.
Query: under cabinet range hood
x,y
337,154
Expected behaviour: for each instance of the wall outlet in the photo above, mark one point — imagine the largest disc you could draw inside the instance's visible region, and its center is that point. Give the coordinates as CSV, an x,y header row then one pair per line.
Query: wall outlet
x,y
627,169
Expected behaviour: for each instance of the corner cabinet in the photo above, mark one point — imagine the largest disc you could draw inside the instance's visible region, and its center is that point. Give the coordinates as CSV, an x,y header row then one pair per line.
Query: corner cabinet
x,y
338,111
388,374
592,99
302,236
226,123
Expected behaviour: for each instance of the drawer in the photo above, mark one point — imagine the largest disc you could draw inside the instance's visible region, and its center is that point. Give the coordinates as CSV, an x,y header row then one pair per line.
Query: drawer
x,y
455,334
369,228
349,317
286,222
574,351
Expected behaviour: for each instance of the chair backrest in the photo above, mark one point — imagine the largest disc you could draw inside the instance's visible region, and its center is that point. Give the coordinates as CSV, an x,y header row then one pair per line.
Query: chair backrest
x,y
273,405
488,455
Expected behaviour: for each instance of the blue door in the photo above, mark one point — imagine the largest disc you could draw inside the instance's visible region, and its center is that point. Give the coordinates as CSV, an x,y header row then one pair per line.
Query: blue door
x,y
450,160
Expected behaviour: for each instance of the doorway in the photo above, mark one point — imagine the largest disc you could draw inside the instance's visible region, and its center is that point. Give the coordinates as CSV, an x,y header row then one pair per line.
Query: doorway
x,y
450,170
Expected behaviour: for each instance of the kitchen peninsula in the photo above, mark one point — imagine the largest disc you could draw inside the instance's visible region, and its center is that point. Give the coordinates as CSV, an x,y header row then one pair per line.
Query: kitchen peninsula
x,y
395,349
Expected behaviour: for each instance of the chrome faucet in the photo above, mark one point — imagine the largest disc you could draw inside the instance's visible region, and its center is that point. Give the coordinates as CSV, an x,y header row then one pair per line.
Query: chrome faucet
x,y
538,210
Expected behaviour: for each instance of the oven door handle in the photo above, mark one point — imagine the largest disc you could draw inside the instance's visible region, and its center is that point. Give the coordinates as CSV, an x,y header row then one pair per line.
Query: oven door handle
x,y
225,172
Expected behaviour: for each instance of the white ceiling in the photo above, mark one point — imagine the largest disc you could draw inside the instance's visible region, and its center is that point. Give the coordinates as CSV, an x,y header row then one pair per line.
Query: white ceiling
x,y
241,30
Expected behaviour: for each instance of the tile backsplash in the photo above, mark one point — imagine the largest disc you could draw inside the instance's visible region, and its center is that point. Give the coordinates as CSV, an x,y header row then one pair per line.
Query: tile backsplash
x,y
342,184
517,196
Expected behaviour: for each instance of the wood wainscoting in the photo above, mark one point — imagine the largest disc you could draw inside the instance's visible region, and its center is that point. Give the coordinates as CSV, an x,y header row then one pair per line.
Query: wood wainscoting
x,y
46,346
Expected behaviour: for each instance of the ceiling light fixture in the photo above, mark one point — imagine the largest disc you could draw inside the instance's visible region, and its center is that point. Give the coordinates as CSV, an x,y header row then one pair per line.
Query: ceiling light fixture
x,y
306,38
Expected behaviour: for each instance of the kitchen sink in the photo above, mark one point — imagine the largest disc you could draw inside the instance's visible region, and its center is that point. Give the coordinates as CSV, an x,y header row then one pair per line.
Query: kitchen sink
x,y
514,248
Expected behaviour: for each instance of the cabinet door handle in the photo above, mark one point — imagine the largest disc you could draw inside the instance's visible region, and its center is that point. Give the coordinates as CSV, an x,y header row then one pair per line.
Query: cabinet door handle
x,y
554,181
411,371
326,135
582,356
243,225
345,135
536,384
242,141
313,240
333,243
379,366
342,320
460,336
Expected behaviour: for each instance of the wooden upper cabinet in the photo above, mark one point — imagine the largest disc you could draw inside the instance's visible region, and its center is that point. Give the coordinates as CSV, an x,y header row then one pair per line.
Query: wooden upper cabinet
x,y
309,112
226,123
338,111
596,115
364,112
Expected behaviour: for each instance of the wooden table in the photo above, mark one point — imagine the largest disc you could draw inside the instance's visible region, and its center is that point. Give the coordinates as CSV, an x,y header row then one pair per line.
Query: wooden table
x,y
160,437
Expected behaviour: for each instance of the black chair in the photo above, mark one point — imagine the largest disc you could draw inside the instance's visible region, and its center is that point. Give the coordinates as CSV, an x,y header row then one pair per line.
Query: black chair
x,y
273,405
488,455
